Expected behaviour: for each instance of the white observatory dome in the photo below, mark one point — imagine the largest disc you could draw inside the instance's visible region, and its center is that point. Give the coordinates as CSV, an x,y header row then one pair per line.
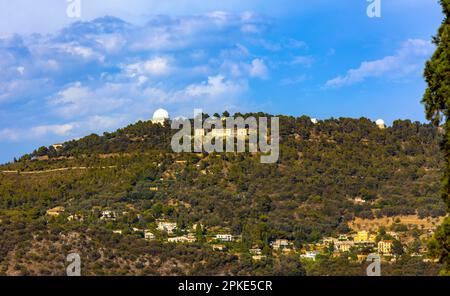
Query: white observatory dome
x,y
160,116
380,123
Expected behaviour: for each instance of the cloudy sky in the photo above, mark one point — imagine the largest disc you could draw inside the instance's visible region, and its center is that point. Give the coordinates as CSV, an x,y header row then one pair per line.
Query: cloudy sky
x,y
63,77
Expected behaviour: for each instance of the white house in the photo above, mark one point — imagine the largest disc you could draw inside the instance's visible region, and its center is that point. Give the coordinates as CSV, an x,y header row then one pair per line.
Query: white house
x,y
165,226
57,146
221,133
75,217
108,215
182,239
224,237
280,244
359,200
309,255
148,235
220,248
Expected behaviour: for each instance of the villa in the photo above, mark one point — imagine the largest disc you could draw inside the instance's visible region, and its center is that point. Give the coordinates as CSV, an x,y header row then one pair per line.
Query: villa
x,y
343,246
166,226
280,244
149,235
385,247
220,248
309,255
182,239
224,237
108,215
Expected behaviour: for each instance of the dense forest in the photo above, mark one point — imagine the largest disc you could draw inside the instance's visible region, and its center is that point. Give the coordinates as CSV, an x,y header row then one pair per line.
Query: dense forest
x,y
328,174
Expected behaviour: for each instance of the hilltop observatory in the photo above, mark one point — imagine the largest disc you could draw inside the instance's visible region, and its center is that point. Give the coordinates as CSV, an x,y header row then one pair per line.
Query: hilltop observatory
x,y
160,116
380,123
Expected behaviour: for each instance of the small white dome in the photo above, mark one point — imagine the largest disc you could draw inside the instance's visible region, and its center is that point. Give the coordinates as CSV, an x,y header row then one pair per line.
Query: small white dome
x,y
379,122
314,120
160,114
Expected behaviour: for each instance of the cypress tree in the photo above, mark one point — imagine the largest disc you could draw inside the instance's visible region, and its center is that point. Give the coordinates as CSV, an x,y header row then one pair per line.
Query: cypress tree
x,y
437,105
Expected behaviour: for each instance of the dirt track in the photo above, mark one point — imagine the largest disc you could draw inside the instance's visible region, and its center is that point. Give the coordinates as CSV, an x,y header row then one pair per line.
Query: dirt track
x,y
55,170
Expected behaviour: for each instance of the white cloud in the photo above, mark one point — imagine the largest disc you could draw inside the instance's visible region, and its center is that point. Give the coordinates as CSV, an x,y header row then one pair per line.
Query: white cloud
x,y
9,134
84,52
59,130
111,43
52,64
198,54
238,51
102,122
408,59
155,66
298,44
256,68
220,18
77,100
17,89
21,70
293,80
306,61
142,79
259,69
216,86
250,28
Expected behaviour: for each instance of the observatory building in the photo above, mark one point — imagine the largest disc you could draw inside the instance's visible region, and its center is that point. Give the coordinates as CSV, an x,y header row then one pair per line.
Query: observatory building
x,y
160,116
380,124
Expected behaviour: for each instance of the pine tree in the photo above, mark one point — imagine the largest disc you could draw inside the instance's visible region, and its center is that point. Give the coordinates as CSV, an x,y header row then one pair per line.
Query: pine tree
x,y
437,105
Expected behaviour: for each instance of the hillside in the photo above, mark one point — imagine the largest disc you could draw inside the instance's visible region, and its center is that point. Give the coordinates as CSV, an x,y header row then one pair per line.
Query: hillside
x,y
328,174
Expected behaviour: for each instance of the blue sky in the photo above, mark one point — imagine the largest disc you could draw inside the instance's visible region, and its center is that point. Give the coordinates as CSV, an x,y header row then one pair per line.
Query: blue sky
x,y
63,78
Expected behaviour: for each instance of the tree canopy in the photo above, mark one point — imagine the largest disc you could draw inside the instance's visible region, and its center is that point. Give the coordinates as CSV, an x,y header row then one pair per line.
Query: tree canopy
x,y
437,106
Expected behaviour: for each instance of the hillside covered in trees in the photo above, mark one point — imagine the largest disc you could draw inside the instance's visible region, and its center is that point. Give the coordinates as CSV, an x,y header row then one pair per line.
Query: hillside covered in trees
x,y
328,174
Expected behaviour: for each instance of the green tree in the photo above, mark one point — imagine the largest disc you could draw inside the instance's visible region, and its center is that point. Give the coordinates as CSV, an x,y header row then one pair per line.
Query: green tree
x,y
157,210
199,232
289,266
437,106
397,248
41,151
